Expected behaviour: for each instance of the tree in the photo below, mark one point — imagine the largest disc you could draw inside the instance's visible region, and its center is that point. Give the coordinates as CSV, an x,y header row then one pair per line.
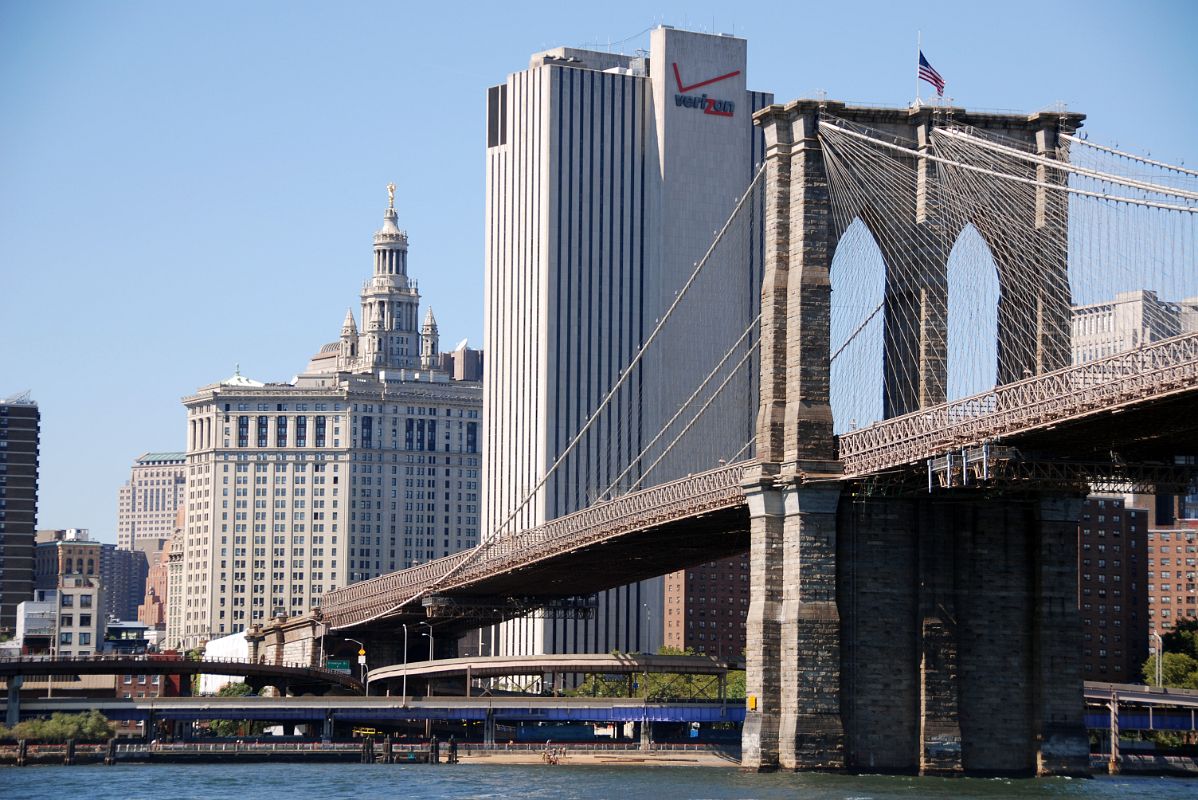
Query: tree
x,y
89,726
232,727
1179,667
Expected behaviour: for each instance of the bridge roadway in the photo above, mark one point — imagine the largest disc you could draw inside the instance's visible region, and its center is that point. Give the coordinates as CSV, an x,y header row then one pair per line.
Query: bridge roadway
x,y
294,676
1135,407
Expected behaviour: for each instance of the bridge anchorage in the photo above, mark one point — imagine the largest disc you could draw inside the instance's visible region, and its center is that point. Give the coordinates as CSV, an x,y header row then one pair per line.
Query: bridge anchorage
x,y
932,401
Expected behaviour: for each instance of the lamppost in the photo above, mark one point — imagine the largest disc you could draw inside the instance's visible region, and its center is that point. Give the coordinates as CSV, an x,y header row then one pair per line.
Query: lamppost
x,y
1160,654
405,661
429,625
648,628
361,662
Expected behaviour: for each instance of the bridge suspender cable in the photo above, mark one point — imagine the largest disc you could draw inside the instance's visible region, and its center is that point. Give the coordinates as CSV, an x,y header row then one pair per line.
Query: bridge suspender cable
x,y
1014,178
1065,166
1130,156
686,403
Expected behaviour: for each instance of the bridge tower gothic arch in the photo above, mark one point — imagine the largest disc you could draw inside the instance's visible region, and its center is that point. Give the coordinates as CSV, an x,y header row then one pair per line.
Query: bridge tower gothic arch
x,y
831,684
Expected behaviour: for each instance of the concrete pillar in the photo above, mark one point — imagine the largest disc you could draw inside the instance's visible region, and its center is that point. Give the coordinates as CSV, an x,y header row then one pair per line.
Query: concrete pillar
x,y
13,709
646,735
489,729
1062,744
811,733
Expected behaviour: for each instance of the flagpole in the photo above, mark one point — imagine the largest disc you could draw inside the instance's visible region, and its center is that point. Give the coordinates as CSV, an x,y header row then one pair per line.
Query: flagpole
x,y
918,53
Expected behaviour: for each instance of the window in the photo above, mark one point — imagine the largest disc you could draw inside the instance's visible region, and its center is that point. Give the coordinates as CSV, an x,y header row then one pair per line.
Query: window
x,y
85,601
64,637
68,600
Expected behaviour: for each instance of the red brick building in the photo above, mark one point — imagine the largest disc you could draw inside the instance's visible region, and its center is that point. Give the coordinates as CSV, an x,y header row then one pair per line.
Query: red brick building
x,y
1113,566
1172,564
706,608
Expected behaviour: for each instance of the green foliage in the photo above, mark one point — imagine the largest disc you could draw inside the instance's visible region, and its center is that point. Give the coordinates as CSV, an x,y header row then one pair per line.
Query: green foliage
x,y
1179,667
89,726
233,727
235,690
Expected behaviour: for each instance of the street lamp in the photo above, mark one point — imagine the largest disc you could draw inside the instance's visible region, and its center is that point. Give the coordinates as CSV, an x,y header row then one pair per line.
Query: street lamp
x,y
648,628
405,661
361,662
430,638
1160,654
429,687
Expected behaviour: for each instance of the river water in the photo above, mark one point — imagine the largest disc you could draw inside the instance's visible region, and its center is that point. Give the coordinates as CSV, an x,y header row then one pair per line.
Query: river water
x,y
378,782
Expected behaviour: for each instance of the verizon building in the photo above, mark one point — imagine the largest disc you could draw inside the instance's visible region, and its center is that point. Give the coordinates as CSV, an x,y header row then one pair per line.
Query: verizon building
x,y
607,176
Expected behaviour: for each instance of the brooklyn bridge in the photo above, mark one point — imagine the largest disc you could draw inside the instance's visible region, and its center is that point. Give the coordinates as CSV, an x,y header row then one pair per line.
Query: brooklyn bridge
x,y
928,419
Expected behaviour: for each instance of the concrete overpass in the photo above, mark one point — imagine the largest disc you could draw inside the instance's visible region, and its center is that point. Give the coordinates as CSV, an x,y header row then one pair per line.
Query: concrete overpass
x,y
554,665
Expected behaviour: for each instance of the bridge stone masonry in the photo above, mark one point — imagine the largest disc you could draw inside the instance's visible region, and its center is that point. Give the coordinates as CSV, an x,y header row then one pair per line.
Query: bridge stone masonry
x,y
898,634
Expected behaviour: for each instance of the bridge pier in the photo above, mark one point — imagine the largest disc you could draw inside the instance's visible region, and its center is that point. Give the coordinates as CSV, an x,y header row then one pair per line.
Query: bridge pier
x,y
1063,746
810,730
960,635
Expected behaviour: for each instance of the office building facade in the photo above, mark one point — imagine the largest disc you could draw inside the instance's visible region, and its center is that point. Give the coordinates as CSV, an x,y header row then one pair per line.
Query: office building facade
x,y
1130,320
20,433
367,462
148,502
607,176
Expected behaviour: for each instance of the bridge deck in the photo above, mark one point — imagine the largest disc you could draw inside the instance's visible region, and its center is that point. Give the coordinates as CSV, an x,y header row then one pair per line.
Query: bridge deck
x,y
1162,375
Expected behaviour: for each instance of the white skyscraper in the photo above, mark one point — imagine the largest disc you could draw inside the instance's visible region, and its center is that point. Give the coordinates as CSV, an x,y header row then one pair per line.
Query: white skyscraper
x,y
607,176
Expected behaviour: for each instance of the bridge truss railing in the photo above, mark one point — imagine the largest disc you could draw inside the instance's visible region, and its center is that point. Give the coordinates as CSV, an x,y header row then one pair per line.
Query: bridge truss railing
x,y
705,491
694,494
1154,370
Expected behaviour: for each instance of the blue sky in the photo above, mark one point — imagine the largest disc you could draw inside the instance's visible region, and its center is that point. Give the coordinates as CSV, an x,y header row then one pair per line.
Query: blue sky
x,y
189,186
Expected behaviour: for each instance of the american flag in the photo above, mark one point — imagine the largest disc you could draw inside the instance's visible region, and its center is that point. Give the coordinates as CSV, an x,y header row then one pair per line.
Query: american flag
x,y
930,75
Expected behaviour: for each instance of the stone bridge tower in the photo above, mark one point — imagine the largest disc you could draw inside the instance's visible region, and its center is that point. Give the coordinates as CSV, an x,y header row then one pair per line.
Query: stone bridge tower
x,y
886,633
